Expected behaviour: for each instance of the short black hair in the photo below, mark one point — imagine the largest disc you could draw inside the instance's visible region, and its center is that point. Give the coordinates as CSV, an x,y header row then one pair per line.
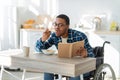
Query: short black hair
x,y
65,17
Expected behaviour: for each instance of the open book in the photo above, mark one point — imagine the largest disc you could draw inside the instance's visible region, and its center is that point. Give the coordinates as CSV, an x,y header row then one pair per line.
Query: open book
x,y
68,50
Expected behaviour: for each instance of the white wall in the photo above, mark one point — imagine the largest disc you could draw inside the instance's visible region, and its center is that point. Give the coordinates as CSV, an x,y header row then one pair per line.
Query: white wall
x,y
30,9
77,8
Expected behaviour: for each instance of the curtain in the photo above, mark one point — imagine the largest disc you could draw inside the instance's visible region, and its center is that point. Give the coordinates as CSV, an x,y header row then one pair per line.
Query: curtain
x,y
8,28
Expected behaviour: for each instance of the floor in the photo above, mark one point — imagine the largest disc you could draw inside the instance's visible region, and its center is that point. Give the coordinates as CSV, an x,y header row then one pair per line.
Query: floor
x,y
29,76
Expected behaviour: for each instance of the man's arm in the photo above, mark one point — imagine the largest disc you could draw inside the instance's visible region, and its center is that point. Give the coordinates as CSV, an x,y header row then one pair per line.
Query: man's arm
x,y
39,45
42,43
46,35
89,48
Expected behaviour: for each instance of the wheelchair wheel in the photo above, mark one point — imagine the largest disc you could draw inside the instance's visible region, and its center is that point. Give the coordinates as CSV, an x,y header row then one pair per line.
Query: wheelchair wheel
x,y
103,72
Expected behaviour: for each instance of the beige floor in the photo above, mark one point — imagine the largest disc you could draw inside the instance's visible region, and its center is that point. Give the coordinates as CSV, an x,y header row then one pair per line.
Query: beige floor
x,y
29,76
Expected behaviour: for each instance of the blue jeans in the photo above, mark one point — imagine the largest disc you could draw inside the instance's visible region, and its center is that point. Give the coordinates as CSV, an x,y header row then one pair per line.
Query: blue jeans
x,y
50,76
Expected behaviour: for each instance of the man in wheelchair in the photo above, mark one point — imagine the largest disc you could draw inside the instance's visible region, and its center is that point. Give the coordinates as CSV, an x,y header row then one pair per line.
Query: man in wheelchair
x,y
65,35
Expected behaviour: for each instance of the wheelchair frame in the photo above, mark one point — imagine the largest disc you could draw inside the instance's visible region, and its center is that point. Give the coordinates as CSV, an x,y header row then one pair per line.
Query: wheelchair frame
x,y
99,74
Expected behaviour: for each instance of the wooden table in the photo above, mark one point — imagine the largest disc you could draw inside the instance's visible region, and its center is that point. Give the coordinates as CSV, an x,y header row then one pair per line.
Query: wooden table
x,y
48,63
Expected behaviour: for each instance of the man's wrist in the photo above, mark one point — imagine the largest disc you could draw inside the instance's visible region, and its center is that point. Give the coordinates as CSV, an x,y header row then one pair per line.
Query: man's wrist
x,y
41,40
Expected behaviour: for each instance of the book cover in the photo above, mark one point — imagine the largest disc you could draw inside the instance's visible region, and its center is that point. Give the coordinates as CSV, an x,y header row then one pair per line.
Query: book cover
x,y
69,50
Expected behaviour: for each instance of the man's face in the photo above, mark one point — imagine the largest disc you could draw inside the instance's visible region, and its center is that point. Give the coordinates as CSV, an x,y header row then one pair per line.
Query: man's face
x,y
61,29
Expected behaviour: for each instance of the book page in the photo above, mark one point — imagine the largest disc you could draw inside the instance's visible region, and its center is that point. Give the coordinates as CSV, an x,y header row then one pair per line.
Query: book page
x,y
76,48
64,50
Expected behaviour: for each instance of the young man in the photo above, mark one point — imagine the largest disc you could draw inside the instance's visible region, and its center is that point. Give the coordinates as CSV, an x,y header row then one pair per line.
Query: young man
x,y
62,34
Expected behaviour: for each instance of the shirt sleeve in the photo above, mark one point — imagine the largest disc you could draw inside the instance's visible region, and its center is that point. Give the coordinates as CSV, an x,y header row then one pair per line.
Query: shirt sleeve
x,y
88,47
39,45
43,45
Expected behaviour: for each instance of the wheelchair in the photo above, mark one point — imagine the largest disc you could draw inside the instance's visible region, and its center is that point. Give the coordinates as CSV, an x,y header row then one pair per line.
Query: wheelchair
x,y
101,67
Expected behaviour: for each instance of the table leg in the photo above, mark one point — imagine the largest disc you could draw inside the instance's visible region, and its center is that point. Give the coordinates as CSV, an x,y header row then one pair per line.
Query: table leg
x,y
23,75
1,72
59,77
81,77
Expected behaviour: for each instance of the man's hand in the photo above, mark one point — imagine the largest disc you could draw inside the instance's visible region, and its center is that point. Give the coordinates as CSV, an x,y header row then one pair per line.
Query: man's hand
x,y
84,53
81,52
46,34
